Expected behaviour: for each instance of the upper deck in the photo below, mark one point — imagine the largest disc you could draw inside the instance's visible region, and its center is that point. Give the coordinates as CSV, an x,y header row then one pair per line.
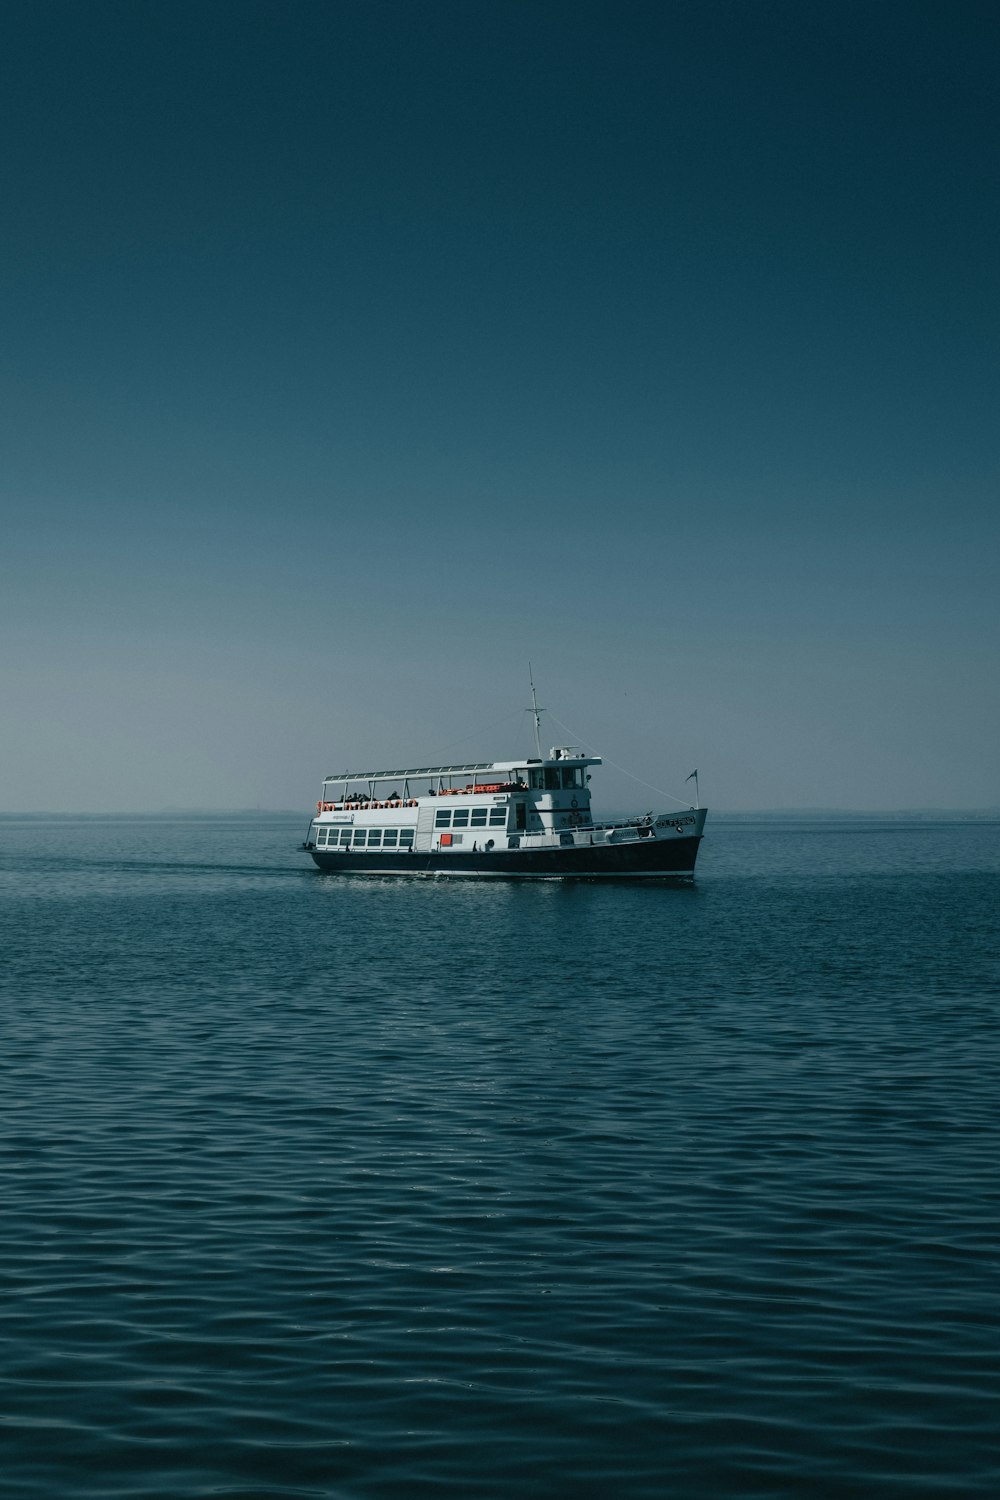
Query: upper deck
x,y
482,771
537,793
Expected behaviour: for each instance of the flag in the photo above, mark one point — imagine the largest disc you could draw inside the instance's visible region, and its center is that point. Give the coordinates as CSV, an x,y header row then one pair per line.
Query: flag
x,y
693,773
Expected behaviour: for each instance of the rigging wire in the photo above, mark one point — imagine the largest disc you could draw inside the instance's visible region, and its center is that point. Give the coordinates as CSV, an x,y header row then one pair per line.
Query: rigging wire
x,y
648,785
488,728
578,739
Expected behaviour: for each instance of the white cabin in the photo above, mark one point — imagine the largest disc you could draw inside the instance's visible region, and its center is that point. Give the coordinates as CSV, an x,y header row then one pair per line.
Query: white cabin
x,y
479,805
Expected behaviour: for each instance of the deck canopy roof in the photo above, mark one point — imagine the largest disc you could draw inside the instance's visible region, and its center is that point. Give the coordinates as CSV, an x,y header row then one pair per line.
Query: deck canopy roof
x,y
472,766
417,771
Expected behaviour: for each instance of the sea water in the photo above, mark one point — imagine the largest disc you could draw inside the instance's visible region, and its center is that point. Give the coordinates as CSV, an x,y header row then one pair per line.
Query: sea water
x,y
320,1187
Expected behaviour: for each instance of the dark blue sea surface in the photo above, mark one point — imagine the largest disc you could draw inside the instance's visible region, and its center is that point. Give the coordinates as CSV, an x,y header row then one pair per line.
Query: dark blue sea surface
x,y
313,1187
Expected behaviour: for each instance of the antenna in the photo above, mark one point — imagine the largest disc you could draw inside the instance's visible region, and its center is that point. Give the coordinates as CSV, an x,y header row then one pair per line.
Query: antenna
x,y
536,713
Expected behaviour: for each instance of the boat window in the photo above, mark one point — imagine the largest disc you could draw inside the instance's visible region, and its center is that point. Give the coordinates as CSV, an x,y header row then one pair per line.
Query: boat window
x,y
572,776
374,837
460,818
390,838
442,818
552,779
406,836
498,817
537,780
479,816
360,835
520,815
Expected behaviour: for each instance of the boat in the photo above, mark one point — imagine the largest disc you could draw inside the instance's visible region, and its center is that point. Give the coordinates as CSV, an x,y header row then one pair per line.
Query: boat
x,y
524,819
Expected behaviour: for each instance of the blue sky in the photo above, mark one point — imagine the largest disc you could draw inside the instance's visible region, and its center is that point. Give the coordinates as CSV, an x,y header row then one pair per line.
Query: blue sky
x,y
354,354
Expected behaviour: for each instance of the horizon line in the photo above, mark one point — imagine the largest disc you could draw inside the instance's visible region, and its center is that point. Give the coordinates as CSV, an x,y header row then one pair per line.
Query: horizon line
x,y
989,811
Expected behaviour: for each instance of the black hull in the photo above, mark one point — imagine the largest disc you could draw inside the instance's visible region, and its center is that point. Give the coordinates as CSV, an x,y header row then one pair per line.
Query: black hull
x,y
641,859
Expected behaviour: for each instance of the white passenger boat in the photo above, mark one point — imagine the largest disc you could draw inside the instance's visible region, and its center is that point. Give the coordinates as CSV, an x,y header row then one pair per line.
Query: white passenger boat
x,y
525,819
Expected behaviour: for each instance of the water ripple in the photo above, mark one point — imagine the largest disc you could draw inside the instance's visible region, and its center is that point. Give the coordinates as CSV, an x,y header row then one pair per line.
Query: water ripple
x,y
320,1188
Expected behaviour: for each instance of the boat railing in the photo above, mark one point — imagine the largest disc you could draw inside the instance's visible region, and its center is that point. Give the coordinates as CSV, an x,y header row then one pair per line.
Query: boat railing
x,y
366,805
623,832
624,824
477,790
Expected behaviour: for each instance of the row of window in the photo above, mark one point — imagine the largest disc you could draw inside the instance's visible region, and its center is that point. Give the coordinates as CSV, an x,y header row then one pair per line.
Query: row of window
x,y
470,817
368,838
556,778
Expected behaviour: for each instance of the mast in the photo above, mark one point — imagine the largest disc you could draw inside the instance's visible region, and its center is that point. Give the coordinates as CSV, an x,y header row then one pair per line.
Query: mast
x,y
536,713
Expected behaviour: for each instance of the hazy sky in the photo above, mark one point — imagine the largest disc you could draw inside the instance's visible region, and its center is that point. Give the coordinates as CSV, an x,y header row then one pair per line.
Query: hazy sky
x,y
354,352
